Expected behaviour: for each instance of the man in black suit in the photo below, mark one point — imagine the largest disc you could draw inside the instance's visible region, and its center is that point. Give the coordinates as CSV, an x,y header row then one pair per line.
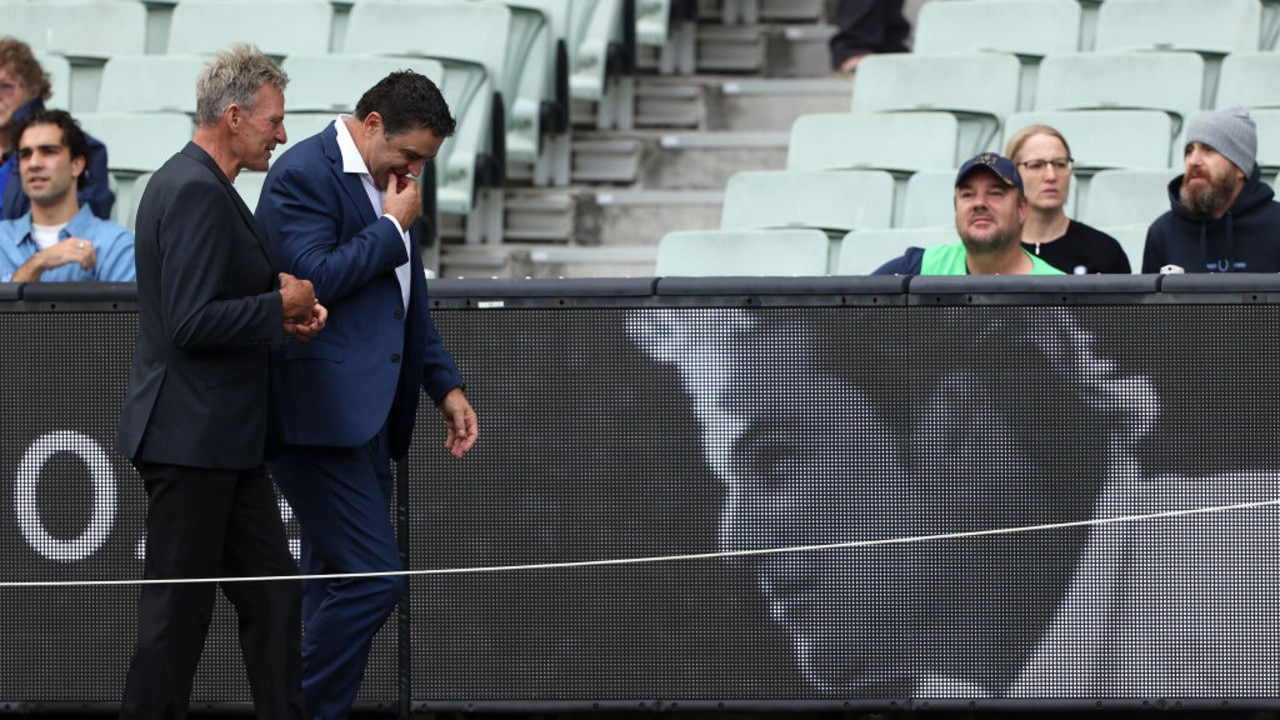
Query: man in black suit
x,y
196,419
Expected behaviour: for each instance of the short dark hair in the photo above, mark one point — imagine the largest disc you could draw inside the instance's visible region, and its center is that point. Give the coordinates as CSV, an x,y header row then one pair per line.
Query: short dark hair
x,y
407,101
73,138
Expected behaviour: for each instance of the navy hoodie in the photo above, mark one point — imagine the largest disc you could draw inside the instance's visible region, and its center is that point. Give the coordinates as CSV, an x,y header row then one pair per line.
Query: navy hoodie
x,y
1245,239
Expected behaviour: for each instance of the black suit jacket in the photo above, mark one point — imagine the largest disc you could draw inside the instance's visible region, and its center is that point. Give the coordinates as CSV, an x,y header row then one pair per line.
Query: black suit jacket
x,y
208,310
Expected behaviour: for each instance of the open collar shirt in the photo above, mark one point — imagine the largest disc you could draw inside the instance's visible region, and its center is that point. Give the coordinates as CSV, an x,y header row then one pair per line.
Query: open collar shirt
x,y
112,244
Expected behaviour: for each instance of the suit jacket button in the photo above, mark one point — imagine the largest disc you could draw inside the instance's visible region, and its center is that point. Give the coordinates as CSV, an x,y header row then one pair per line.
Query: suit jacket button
x,y
399,314
395,357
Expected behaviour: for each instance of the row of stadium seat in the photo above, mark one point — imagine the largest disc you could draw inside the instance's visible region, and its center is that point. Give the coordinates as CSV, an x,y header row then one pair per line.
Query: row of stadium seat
x,y
512,97
811,252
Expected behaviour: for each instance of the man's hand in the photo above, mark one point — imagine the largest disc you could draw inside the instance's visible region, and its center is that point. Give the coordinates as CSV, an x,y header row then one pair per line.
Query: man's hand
x,y
311,328
460,420
72,250
299,299
403,201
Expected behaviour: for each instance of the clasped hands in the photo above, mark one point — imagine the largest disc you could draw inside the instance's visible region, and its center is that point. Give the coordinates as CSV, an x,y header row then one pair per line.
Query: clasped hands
x,y
304,316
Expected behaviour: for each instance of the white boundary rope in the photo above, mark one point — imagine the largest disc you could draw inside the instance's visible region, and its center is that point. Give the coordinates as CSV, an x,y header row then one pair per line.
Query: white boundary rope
x,y
667,558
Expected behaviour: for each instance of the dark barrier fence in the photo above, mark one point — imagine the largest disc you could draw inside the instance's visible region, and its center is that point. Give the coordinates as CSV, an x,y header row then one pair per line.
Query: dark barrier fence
x,y
768,494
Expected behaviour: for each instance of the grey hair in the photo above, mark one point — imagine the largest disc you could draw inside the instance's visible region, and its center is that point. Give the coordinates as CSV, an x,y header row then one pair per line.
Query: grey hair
x,y
233,76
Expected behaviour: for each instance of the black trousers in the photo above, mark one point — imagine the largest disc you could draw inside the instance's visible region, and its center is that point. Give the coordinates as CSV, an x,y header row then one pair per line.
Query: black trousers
x,y
214,523
868,26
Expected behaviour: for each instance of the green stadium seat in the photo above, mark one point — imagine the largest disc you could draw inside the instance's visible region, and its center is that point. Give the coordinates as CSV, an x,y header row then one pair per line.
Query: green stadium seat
x,y
1102,139
1127,197
58,68
137,144
930,200
150,83
902,142
1029,28
981,89
86,32
864,251
333,83
1132,238
1168,81
278,27
471,165
249,184
1251,79
731,253
833,201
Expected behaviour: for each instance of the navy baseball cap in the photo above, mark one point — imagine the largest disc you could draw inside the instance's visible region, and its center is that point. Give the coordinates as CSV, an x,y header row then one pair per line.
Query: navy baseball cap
x,y
1002,166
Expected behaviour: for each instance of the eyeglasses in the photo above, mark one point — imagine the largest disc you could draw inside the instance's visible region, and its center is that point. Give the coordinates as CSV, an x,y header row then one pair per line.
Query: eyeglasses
x,y
1059,164
7,88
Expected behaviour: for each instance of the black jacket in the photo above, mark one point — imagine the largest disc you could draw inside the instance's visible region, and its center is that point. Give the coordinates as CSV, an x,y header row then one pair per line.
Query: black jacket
x,y
1245,239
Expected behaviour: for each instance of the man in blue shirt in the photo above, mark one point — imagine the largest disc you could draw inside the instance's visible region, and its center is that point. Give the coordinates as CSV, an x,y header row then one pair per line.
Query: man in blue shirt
x,y
58,239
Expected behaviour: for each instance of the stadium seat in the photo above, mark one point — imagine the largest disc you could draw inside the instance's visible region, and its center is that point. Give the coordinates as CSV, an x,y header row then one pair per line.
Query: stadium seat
x,y
1210,28
930,200
981,89
901,142
125,211
1026,28
85,32
537,89
1251,79
471,165
833,201
78,29
1132,239
150,83
1168,81
1126,197
333,84
600,61
1102,139
1268,122
302,125
728,253
1022,27
863,251
278,28
1218,27
137,143
58,68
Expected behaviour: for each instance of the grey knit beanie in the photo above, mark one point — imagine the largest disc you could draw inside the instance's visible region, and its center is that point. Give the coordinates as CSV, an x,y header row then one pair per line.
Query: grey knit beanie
x,y
1230,132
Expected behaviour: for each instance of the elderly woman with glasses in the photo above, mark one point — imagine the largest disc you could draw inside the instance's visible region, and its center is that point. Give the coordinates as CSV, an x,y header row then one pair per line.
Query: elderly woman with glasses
x,y
1044,161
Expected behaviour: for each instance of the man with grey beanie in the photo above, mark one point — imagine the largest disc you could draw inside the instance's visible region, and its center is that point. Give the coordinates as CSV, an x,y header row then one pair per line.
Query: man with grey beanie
x,y
1223,218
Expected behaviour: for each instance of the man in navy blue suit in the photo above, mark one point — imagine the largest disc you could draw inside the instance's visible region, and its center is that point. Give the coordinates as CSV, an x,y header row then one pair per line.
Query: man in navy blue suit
x,y
338,209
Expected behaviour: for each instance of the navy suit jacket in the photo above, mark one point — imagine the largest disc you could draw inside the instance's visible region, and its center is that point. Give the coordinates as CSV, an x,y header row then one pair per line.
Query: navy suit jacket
x,y
208,312
365,367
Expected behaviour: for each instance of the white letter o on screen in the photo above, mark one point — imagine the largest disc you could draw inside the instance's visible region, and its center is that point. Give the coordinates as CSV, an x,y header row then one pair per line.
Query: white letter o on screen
x,y
104,496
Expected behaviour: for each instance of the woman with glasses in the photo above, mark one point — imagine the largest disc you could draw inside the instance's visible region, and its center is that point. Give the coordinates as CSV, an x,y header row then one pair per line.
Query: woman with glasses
x,y
1044,161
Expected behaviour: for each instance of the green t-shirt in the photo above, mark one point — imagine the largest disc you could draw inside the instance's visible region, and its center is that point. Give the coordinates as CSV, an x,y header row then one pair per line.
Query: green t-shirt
x,y
950,260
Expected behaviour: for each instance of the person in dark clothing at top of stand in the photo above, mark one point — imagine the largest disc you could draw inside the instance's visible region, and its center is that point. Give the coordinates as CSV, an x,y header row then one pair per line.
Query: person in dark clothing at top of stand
x,y
864,27
1044,161
1223,218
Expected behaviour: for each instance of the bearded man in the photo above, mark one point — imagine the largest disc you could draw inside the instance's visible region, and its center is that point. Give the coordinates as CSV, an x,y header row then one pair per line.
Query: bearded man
x,y
1223,218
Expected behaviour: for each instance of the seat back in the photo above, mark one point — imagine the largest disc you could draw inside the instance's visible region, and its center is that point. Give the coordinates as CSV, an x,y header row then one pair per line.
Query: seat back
x,y
981,89
334,83
1127,197
150,83
278,28
930,200
730,253
862,252
836,202
901,142
1168,81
